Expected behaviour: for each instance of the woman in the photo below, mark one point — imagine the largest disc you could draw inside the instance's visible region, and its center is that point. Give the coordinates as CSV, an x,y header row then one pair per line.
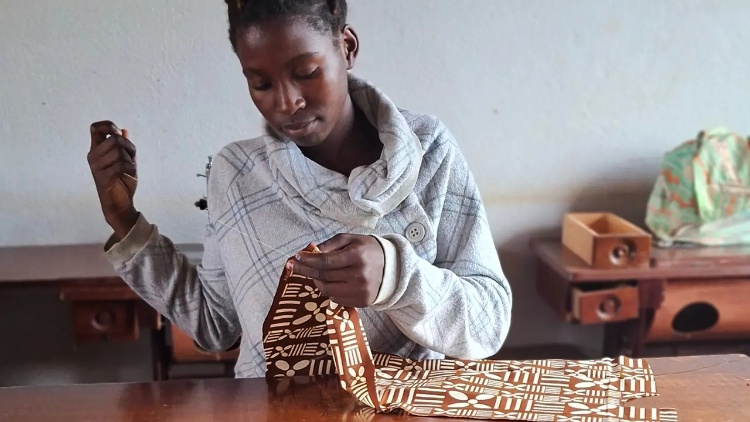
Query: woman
x,y
385,193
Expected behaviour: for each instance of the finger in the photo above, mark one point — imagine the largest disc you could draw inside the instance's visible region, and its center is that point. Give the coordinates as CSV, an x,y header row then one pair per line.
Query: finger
x,y
331,289
102,149
322,286
342,294
100,131
118,170
129,169
336,275
109,159
352,301
335,243
126,144
130,180
341,258
126,147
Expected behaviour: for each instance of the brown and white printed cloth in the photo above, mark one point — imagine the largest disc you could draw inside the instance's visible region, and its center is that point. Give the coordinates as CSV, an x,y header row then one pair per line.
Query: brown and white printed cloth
x,y
308,334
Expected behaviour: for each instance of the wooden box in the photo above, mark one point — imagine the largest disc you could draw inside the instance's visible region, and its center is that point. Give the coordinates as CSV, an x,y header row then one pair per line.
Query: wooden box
x,y
604,240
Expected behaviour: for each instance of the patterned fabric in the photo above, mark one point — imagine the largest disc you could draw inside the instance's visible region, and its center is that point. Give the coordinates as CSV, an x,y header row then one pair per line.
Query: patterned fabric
x,y
702,194
451,296
308,334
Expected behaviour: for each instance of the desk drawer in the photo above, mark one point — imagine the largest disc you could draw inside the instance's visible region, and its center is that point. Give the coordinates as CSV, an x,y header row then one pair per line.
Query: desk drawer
x,y
107,311
603,305
110,320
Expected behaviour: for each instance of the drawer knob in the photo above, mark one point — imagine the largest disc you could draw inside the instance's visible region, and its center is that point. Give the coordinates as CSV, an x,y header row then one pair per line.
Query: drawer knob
x,y
623,253
609,307
103,320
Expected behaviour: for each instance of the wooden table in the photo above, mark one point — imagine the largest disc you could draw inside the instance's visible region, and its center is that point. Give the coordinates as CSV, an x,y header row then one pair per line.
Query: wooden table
x,y
103,307
705,388
685,296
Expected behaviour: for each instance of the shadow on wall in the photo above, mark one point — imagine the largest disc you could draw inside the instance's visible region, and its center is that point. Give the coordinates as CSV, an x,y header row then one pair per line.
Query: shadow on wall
x,y
627,201
534,323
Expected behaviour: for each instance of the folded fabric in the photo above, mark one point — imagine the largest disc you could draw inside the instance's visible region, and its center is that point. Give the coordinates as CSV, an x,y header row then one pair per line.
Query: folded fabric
x,y
308,334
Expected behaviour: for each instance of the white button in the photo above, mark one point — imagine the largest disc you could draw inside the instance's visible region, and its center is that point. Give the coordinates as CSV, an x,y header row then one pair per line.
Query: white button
x,y
415,232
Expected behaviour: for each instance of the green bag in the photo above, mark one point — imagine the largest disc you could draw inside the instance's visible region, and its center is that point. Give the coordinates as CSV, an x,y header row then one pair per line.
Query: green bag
x,y
702,194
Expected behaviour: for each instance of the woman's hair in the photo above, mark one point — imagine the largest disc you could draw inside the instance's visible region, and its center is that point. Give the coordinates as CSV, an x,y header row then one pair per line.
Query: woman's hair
x,y
322,15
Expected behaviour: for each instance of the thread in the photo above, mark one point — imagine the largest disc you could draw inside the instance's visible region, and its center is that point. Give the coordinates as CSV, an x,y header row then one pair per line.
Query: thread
x,y
125,134
249,236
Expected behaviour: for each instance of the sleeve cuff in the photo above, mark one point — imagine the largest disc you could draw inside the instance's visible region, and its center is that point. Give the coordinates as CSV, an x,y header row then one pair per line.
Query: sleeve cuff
x,y
390,271
119,252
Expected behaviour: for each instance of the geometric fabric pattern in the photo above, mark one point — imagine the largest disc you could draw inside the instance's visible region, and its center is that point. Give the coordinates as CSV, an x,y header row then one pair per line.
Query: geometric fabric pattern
x,y
308,334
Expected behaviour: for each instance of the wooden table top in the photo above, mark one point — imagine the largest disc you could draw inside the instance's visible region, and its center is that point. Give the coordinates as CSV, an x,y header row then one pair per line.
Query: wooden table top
x,y
666,263
50,264
704,388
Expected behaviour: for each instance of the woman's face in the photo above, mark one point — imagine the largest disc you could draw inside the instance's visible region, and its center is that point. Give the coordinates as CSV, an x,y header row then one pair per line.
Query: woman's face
x,y
297,76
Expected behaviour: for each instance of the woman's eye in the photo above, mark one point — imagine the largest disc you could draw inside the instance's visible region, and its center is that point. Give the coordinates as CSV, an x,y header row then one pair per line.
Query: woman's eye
x,y
309,74
260,86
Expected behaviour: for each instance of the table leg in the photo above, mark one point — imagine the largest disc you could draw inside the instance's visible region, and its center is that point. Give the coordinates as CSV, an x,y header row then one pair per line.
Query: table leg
x,y
650,296
159,355
613,340
635,335
229,369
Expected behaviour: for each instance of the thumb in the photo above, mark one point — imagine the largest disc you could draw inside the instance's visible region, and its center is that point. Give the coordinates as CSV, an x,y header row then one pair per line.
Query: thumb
x,y
340,241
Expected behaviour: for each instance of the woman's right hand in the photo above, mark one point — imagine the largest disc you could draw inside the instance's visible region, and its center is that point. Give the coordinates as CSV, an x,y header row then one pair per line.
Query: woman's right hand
x,y
112,162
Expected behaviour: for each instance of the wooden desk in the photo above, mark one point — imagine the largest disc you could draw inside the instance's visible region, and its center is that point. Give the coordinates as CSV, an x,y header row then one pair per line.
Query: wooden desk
x,y
665,303
705,388
103,307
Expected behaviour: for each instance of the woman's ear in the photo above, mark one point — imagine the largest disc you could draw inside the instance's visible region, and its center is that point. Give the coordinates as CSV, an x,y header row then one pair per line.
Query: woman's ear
x,y
350,46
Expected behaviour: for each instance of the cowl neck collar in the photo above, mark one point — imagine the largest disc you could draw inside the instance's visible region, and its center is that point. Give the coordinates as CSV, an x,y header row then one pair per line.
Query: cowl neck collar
x,y
370,192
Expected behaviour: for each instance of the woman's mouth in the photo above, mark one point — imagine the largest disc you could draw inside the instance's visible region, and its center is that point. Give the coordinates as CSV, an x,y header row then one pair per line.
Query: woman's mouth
x,y
298,129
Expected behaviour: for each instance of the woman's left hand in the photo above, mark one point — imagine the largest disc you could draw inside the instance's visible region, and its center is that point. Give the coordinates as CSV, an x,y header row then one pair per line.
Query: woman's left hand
x,y
348,270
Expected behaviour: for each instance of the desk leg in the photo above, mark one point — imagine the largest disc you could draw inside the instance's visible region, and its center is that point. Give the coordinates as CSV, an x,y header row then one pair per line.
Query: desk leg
x,y
159,354
650,296
229,369
629,337
613,340
624,338
635,334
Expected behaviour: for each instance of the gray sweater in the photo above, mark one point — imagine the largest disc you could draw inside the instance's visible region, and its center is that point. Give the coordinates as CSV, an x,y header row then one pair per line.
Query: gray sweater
x,y
444,292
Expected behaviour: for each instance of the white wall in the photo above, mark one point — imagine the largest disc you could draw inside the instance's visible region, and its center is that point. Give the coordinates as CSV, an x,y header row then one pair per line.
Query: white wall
x,y
558,105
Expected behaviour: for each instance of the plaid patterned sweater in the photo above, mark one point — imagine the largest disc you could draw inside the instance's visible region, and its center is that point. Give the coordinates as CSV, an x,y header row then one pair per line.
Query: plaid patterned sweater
x,y
448,295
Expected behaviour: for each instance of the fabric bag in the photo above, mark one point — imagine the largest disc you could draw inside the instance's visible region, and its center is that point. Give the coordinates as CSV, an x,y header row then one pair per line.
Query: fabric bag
x,y
702,194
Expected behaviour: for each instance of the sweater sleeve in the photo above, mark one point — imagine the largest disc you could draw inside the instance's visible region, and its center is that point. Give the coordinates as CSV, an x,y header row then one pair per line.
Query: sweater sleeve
x,y
196,298
459,305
